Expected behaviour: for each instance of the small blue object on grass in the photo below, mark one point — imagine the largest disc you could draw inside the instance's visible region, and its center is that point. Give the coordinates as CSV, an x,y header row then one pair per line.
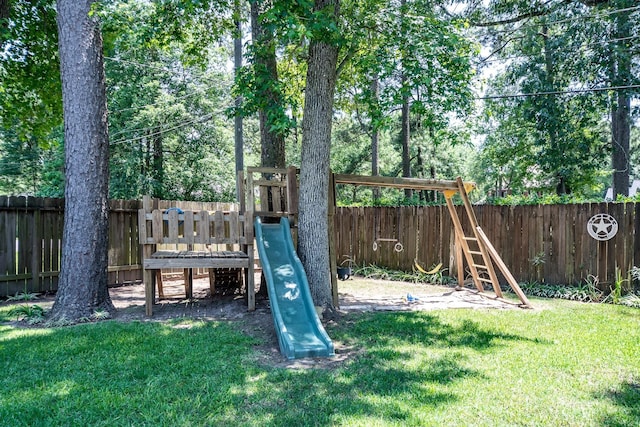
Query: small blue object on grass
x,y
411,298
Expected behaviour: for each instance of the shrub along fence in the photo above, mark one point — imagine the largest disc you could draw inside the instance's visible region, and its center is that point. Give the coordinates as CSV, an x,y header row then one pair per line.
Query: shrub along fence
x,y
31,241
544,243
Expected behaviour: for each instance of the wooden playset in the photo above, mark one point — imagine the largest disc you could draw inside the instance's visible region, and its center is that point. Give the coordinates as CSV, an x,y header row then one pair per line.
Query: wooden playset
x,y
225,239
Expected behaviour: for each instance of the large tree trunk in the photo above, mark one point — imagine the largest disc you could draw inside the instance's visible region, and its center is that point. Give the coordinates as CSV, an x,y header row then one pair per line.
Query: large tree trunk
x,y
405,132
375,140
237,64
158,165
82,288
313,231
265,64
620,141
621,105
405,129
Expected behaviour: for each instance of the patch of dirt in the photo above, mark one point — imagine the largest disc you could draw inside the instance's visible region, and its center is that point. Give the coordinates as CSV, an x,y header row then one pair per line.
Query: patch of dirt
x,y
355,295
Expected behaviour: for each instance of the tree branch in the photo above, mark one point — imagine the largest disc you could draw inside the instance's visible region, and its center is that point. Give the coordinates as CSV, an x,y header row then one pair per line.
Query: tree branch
x,y
531,14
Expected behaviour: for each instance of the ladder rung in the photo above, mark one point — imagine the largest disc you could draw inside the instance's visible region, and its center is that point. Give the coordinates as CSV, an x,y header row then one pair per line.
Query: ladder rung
x,y
480,266
469,238
482,279
475,253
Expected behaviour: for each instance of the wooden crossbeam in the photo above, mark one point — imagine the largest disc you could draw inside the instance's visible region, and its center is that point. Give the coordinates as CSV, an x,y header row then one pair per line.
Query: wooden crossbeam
x,y
396,182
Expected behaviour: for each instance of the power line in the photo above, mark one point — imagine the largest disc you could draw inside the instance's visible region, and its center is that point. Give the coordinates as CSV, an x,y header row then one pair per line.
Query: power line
x,y
139,64
489,60
192,72
218,110
196,91
162,131
558,92
574,18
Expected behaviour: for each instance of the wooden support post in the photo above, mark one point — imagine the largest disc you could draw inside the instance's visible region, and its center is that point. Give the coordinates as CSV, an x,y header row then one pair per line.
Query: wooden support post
x,y
251,203
148,278
502,266
212,281
240,191
188,283
459,262
292,195
332,243
159,283
250,280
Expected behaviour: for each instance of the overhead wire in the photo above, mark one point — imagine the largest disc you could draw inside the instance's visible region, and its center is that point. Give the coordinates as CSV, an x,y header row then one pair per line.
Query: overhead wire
x,y
559,92
489,60
162,131
154,129
191,72
526,23
196,91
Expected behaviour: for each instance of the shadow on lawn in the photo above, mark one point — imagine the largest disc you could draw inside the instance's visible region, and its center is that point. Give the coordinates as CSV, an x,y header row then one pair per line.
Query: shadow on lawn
x,y
206,373
426,329
408,366
627,402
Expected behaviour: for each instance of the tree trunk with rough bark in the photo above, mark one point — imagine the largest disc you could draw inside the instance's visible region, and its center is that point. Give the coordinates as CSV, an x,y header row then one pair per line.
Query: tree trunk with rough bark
x,y
375,138
620,141
237,64
82,287
405,132
405,129
621,105
273,153
313,230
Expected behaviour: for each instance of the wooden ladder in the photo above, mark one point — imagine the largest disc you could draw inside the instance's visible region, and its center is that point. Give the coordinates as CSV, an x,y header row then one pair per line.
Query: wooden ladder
x,y
477,250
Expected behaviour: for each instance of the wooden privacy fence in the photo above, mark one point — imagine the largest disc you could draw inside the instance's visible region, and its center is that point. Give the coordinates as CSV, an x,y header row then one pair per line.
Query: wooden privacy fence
x,y
31,241
544,243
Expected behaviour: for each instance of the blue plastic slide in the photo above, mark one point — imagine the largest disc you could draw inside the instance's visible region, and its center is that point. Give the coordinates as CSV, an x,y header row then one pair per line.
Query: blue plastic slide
x,y
298,327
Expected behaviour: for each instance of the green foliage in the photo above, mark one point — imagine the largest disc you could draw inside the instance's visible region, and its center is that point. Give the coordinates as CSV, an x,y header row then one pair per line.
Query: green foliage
x,y
635,273
541,199
583,292
167,92
415,52
30,91
30,94
376,272
558,142
169,135
23,296
32,314
445,155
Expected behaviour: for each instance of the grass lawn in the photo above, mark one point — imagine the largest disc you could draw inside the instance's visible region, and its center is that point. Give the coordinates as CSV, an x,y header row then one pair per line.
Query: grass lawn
x,y
567,364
